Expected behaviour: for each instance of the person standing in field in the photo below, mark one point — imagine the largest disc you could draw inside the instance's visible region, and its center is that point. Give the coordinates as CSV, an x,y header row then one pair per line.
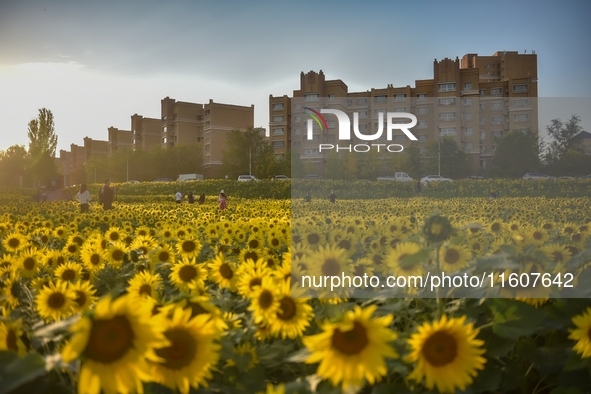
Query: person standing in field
x,y
83,197
332,197
178,197
106,195
223,199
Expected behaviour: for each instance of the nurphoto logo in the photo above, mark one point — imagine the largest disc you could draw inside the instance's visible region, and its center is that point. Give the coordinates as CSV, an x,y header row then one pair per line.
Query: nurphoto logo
x,y
345,130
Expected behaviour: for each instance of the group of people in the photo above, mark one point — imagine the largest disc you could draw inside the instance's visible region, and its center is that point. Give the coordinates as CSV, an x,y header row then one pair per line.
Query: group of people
x,y
178,197
332,197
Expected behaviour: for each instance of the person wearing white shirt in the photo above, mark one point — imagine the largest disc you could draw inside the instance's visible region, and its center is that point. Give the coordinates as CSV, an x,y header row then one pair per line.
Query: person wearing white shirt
x,y
83,197
179,197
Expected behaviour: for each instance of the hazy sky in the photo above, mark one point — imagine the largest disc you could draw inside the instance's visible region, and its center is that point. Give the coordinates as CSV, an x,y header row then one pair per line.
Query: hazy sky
x,y
96,63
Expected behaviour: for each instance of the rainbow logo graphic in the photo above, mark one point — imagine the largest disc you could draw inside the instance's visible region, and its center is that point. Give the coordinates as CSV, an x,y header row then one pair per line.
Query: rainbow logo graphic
x,y
318,118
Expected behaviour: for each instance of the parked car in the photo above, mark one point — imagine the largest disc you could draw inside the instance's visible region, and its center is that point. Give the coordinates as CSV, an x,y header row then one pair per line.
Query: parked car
x,y
280,178
246,178
133,181
475,177
537,175
434,178
398,176
162,180
566,177
588,176
313,176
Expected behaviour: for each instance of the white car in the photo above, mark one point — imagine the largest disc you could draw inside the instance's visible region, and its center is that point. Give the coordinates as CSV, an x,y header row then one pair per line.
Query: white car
x,y
434,178
246,178
537,175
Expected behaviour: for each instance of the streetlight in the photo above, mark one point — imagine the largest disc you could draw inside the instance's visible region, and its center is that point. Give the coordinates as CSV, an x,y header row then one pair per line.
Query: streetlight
x,y
250,156
439,152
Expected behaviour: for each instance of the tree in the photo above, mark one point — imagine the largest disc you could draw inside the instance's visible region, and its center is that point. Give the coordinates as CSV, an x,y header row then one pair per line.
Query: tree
x,y
518,152
414,163
248,151
563,136
447,155
13,165
42,146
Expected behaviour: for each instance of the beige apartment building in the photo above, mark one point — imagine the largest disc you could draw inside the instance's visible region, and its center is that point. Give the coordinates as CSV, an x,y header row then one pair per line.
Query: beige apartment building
x,y
119,140
209,124
474,100
145,132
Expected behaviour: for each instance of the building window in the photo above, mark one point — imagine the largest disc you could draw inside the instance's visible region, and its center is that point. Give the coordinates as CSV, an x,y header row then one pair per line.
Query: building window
x,y
422,110
297,107
207,124
446,116
482,136
497,105
331,97
363,127
482,93
447,101
468,86
361,101
447,131
482,120
521,117
278,131
380,111
311,97
421,97
400,109
311,152
497,133
400,97
362,114
447,87
399,138
422,124
297,132
207,147
467,102
207,136
331,124
330,138
380,99
207,112
496,91
278,144
520,102
496,120
277,118
315,137
468,131
482,148
277,106
523,88
422,137
349,102
296,144
467,115
483,164
469,146
297,118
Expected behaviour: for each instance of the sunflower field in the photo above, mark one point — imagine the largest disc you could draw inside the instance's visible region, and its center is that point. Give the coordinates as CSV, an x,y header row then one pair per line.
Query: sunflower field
x,y
159,297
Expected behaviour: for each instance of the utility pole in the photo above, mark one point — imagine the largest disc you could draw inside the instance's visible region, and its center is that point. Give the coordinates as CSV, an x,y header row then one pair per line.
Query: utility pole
x,y
439,152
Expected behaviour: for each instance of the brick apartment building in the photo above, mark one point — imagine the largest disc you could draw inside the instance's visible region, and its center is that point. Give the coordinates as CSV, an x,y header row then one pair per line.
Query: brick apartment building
x,y
473,100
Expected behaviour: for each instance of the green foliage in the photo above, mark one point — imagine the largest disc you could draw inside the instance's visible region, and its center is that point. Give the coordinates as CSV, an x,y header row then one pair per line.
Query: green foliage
x,y
246,149
13,164
42,146
454,162
564,138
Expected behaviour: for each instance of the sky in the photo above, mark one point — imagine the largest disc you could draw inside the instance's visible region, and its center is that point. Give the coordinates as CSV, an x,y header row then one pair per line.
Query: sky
x,y
96,63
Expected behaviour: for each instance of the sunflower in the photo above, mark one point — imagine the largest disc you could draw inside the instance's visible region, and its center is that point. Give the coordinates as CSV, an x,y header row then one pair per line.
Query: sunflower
x,y
55,301
200,305
293,316
192,354
244,348
329,261
29,260
582,333
68,272
85,298
10,338
353,350
14,242
264,300
453,258
250,275
116,253
12,291
114,234
187,274
397,262
145,284
163,255
223,273
114,343
92,257
447,354
538,235
556,252
188,248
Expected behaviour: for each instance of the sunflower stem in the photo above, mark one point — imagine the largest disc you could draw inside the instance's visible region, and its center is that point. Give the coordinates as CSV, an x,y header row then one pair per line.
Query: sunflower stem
x,y
440,304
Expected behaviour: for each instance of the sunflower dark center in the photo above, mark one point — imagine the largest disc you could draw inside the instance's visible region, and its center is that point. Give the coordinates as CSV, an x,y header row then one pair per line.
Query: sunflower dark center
x,y
109,340
187,273
117,255
558,257
352,341
253,243
251,255
275,242
495,227
331,267
163,256
254,282
313,239
29,263
451,256
265,299
56,301
189,246
72,248
145,289
344,244
15,289
440,349
182,350
196,309
68,275
95,259
538,235
14,242
114,236
80,298
288,308
226,271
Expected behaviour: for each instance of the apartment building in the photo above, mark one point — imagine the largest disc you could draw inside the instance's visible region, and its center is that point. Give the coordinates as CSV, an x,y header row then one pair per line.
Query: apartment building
x,y
145,132
474,100
119,140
